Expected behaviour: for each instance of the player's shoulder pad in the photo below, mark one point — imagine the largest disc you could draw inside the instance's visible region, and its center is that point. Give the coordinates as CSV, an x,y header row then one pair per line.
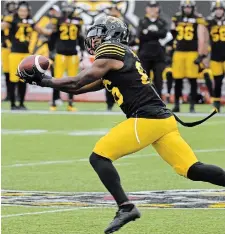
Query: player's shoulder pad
x,y
8,18
78,20
176,16
200,19
110,50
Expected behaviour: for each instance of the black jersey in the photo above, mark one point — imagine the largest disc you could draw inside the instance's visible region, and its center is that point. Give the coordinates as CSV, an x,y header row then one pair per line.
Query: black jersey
x,y
20,33
131,86
68,30
217,38
186,28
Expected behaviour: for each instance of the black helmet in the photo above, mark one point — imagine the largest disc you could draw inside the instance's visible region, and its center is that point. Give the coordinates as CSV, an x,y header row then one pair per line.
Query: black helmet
x,y
67,8
217,4
188,3
10,7
107,28
153,3
24,4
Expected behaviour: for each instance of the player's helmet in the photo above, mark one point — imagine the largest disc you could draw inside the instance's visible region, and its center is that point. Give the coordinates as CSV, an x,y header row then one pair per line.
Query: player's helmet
x,y
153,3
24,4
217,4
67,9
187,3
106,28
10,7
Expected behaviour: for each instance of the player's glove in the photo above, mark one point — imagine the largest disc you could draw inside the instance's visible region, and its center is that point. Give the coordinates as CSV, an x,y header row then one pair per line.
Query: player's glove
x,y
199,59
35,77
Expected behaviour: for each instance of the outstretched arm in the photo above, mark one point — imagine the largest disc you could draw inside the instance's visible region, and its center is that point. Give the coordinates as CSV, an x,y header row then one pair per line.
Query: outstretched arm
x,y
88,76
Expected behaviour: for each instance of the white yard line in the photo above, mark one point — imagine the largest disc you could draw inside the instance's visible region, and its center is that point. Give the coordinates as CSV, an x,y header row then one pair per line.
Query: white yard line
x,y
47,211
86,159
43,112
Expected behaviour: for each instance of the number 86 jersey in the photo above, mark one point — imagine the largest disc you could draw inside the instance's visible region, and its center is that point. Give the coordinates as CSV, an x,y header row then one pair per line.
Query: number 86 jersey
x,y
186,28
130,86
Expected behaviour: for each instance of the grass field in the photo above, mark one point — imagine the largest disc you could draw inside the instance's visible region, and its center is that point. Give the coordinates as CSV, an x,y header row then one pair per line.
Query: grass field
x,y
47,179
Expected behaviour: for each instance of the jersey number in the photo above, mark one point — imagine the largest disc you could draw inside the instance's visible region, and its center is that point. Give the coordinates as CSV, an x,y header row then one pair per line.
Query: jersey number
x,y
218,34
23,33
118,97
185,32
144,76
68,32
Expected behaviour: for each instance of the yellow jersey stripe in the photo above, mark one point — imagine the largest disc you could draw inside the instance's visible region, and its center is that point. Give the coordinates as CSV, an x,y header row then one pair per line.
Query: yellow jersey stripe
x,y
110,51
110,47
108,54
107,45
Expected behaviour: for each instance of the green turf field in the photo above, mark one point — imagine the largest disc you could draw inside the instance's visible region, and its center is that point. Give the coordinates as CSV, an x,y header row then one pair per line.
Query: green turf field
x,y
45,165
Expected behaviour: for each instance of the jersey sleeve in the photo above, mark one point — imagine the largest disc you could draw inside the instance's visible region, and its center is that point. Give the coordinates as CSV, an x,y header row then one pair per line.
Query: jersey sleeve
x,y
8,19
111,51
201,20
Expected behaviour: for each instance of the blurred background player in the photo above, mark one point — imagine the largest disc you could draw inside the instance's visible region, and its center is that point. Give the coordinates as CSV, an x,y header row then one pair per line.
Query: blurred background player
x,y
68,37
20,27
216,27
10,8
151,29
191,49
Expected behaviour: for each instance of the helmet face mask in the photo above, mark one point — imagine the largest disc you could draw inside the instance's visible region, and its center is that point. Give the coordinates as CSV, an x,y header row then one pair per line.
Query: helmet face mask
x,y
106,28
218,8
187,7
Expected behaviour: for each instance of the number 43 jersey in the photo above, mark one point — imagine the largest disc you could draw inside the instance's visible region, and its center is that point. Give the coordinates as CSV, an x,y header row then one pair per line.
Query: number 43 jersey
x,y
130,86
186,28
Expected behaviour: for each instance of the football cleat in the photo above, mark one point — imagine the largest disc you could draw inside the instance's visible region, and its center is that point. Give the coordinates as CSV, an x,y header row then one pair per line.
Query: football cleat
x,y
176,109
52,108
71,108
122,217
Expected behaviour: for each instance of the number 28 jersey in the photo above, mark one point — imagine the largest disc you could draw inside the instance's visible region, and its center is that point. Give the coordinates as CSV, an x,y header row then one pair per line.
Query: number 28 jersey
x,y
68,30
186,28
130,86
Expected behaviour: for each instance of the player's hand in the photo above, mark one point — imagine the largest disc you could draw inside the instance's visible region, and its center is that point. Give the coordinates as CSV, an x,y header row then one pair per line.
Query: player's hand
x,y
35,77
199,59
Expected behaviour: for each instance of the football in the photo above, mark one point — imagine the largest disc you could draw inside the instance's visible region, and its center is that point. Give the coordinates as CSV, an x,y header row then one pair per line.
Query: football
x,y
40,62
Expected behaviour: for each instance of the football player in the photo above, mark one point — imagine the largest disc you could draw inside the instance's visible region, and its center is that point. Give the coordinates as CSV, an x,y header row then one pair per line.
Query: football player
x,y
148,122
20,27
216,27
190,50
10,8
69,36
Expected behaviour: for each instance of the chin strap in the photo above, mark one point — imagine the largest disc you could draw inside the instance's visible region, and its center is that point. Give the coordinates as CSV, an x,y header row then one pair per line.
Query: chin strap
x,y
193,124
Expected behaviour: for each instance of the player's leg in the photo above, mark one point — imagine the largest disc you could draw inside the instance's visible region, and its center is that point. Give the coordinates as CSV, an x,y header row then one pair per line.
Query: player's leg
x,y
218,73
5,69
15,59
72,70
176,152
192,71
158,81
128,137
168,76
59,69
193,94
178,68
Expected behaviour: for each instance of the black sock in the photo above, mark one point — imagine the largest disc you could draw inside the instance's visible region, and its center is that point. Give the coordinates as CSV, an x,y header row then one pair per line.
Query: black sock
x,y
207,173
178,91
55,96
70,102
7,82
12,87
22,92
109,177
193,83
208,81
169,77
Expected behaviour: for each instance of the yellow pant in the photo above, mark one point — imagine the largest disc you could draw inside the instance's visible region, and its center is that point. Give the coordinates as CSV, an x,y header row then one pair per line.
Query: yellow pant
x,y
64,63
183,65
15,59
133,135
218,68
5,59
